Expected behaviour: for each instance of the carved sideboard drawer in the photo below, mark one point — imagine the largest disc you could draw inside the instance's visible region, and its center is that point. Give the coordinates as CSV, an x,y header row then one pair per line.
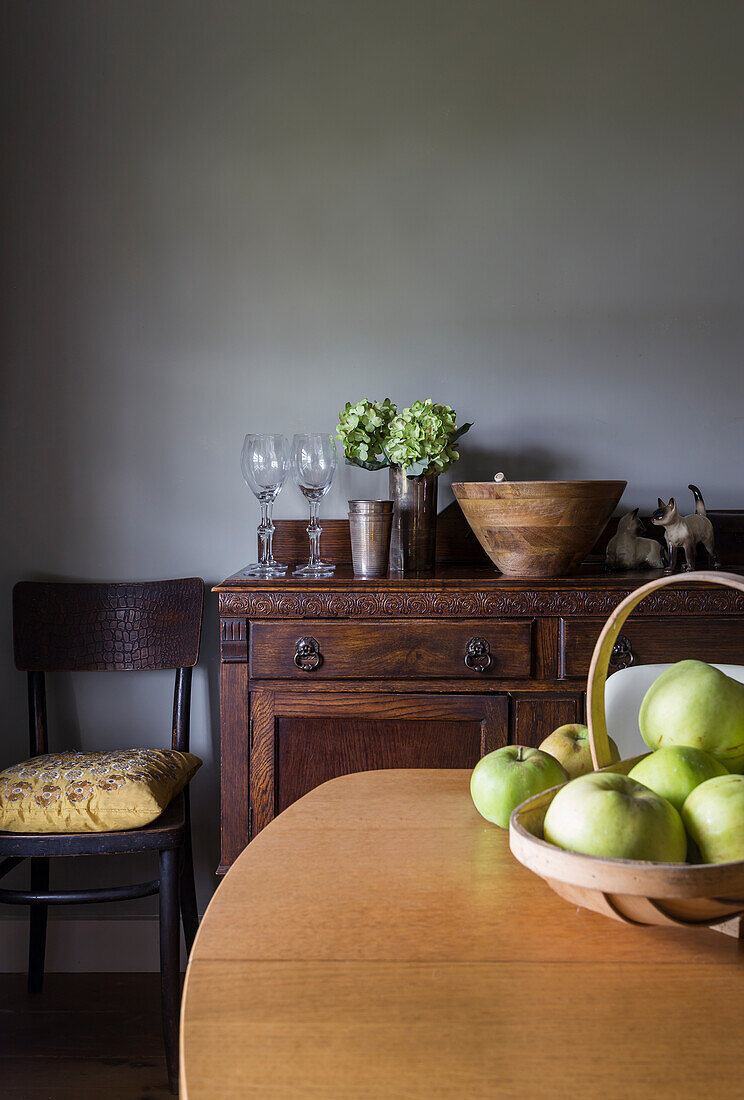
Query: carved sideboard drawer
x,y
646,641
471,649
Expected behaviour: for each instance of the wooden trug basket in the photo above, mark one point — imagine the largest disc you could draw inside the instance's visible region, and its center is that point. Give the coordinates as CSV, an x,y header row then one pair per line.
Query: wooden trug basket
x,y
632,891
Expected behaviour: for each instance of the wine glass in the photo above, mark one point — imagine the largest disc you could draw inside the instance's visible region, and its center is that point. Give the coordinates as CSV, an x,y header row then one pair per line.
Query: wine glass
x,y
265,465
313,465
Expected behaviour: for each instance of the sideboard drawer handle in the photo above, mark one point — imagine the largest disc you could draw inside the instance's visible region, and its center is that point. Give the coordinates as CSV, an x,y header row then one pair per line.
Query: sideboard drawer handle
x,y
478,655
307,654
622,655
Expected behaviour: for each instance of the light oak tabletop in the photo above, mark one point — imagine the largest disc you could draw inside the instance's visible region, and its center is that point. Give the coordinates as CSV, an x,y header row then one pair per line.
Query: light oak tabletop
x,y
378,940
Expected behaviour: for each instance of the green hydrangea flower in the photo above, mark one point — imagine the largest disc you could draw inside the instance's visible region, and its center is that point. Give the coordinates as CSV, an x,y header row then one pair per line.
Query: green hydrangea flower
x,y
420,438
363,428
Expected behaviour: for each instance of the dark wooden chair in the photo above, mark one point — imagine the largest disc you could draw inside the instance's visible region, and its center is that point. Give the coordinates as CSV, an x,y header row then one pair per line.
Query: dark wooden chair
x,y
111,627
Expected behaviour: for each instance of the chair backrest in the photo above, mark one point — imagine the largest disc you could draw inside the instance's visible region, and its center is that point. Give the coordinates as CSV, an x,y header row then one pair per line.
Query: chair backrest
x,y
624,693
107,627
136,626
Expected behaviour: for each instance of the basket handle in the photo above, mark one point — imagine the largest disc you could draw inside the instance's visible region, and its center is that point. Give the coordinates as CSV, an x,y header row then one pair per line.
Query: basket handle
x,y
595,701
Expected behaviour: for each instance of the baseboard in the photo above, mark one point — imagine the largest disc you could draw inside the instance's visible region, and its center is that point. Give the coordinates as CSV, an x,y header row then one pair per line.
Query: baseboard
x,y
86,946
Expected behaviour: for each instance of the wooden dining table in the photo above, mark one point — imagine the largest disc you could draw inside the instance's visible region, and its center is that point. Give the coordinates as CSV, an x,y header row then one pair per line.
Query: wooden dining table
x,y
379,940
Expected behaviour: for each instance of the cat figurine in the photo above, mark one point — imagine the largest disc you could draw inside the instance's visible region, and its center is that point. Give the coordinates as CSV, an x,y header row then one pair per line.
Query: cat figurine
x,y
626,550
686,531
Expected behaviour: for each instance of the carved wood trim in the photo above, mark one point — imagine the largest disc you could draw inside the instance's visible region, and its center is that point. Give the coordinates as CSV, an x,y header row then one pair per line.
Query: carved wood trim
x,y
233,640
475,604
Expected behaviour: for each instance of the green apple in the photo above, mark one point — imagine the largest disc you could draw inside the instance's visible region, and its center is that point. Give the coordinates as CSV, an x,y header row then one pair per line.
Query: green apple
x,y
572,749
673,771
714,817
694,704
504,778
604,814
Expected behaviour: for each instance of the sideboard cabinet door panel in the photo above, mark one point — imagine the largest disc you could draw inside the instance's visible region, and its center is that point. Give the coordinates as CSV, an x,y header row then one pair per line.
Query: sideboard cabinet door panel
x,y
302,741
537,716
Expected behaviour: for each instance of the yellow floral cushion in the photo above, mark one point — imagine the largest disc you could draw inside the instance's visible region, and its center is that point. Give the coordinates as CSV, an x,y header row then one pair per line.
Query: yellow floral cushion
x,y
91,792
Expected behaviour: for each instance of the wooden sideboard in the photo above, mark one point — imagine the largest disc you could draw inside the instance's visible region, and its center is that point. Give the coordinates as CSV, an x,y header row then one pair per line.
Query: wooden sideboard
x,y
326,677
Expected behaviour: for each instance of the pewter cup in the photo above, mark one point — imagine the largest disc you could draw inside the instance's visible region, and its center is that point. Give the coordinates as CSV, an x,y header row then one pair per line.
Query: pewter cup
x,y
370,524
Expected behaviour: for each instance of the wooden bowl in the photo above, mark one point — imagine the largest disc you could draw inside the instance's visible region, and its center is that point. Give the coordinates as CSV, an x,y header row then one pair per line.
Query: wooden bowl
x,y
629,890
538,528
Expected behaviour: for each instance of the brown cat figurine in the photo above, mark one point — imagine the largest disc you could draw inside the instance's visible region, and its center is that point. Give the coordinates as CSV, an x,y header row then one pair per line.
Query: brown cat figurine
x,y
686,531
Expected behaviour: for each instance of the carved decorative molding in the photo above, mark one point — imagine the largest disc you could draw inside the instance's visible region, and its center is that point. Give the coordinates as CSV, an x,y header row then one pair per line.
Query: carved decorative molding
x,y
476,604
233,639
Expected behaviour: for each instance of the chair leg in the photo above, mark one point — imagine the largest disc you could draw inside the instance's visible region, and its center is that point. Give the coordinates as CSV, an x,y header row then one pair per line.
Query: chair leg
x,y
37,926
170,952
189,911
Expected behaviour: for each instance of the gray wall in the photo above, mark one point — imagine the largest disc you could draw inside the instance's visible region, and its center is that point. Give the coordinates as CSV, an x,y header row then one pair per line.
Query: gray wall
x,y
226,217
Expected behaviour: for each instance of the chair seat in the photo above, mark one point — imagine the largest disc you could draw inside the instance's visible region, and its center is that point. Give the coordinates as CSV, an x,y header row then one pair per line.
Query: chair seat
x,y
166,831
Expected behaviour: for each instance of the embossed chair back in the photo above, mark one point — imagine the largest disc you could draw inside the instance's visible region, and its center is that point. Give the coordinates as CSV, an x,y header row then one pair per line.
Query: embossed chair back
x,y
107,627
136,626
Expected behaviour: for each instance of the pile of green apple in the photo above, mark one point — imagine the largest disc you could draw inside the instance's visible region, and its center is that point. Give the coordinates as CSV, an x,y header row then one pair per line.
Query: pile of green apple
x,y
684,801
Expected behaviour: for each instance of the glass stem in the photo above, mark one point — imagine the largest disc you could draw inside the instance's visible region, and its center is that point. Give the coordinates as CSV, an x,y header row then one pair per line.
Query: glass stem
x,y
266,533
314,530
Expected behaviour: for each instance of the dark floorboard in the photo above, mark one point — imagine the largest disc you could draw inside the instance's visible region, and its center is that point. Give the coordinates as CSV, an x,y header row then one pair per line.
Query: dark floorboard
x,y
85,1037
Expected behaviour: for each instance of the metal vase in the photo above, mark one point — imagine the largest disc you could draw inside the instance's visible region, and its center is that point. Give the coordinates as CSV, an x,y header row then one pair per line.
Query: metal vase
x,y
414,535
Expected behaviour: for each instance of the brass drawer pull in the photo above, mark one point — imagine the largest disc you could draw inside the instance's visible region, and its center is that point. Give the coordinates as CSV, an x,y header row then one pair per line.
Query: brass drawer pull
x,y
478,655
307,654
622,655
